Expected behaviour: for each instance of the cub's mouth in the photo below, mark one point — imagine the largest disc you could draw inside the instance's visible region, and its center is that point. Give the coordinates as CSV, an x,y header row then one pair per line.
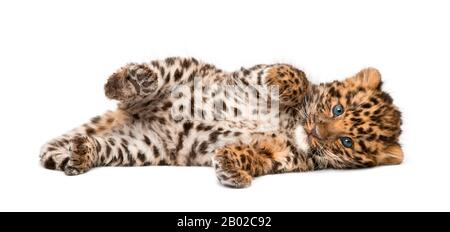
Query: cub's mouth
x,y
315,137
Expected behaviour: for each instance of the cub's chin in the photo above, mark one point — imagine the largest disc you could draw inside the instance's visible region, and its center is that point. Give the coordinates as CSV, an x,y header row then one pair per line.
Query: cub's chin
x,y
301,139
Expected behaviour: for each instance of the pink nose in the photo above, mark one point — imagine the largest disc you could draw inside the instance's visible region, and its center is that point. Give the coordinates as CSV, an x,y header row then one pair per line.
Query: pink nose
x,y
313,132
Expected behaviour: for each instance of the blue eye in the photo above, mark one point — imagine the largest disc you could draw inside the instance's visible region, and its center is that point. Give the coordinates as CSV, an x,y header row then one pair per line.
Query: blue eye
x,y
338,110
347,142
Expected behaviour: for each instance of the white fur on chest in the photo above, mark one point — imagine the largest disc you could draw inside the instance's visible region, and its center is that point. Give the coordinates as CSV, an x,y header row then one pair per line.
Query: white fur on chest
x,y
301,139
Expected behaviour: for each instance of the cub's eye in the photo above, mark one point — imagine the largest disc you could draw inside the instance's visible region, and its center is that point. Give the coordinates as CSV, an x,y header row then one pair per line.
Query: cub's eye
x,y
347,142
338,110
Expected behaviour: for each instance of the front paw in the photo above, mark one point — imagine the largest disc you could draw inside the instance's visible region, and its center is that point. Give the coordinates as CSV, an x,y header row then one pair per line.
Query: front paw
x,y
82,156
131,81
292,83
118,86
235,179
229,174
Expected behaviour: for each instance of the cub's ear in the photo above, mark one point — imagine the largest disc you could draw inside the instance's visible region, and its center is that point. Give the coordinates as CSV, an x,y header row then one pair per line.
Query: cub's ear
x,y
368,78
391,155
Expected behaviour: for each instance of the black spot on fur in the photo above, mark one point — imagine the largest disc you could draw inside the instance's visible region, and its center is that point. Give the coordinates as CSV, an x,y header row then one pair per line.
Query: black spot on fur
x,y
187,126
172,155
162,162
90,131
295,161
316,165
191,76
243,159
334,93
366,105
156,152
214,136
374,100
96,119
120,157
108,150
386,139
147,140
186,63
202,127
98,147
363,146
180,142
237,112
141,156
203,147
162,121
192,153
170,60
112,141
162,71
276,165
155,63
63,164
386,97
131,161
371,137
113,160
178,74
167,105
246,72
259,78
124,141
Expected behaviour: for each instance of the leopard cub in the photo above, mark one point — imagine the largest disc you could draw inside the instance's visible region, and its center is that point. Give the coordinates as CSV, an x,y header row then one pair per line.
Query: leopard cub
x,y
291,126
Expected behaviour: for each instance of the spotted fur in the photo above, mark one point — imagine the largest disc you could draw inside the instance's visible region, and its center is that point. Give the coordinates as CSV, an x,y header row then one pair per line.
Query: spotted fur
x,y
144,131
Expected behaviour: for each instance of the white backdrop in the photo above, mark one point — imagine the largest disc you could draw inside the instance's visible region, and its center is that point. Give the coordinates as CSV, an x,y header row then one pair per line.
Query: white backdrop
x,y
56,55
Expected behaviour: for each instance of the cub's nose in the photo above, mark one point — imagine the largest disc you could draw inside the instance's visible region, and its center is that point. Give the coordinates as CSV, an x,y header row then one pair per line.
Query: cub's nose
x,y
313,132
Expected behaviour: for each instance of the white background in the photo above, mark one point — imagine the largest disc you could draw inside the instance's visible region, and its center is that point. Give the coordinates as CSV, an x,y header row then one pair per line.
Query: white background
x,y
56,55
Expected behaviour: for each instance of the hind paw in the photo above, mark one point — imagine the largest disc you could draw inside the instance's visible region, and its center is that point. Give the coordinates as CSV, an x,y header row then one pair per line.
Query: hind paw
x,y
82,156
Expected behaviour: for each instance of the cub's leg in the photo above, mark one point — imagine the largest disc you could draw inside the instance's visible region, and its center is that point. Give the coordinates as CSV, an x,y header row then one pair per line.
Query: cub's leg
x,y
291,81
113,139
136,81
237,164
77,149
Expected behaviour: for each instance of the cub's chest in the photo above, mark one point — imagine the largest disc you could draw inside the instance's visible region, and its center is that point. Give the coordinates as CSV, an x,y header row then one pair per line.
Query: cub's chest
x,y
301,138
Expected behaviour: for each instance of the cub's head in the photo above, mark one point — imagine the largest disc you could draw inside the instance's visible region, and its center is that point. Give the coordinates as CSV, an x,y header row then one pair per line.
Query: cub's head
x,y
353,123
